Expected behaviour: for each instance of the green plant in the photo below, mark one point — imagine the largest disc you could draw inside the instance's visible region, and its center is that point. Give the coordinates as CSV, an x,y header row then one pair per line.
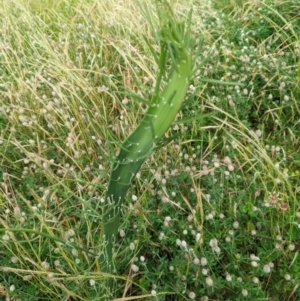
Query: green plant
x,y
175,60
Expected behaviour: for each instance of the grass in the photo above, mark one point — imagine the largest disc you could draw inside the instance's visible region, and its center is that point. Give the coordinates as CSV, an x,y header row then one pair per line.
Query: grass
x,y
212,215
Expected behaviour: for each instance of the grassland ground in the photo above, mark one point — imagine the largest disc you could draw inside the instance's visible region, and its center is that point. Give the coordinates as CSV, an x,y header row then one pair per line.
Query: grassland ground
x,y
214,214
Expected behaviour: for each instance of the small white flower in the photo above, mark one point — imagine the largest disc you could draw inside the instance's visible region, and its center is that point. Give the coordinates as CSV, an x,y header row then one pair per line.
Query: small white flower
x,y
153,292
132,246
134,268
204,272
227,160
216,164
190,218
244,292
196,261
125,101
102,89
291,247
282,85
74,252
122,233
167,221
287,277
254,264
142,258
134,197
209,281
258,133
69,233
254,258
236,225
230,167
45,265
213,243
203,261
14,259
267,269
184,244
217,250
5,237
192,295
228,277
27,277
255,280
198,237
56,263
92,282
192,88
12,288
231,232
209,216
